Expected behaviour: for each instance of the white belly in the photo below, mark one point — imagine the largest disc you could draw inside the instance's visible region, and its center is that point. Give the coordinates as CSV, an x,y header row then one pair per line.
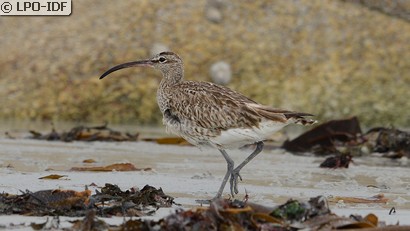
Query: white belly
x,y
238,137
229,139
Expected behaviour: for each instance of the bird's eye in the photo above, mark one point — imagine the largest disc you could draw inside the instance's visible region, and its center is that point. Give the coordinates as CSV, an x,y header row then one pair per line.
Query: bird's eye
x,y
162,60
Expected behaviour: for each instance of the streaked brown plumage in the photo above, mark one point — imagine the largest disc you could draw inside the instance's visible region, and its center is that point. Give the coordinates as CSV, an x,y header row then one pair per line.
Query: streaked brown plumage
x,y
210,115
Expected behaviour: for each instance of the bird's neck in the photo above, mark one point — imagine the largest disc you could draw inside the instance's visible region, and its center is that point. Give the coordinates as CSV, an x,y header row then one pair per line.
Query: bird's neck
x,y
172,76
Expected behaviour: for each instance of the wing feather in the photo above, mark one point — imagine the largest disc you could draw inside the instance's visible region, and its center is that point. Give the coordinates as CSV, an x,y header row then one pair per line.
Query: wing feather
x,y
212,106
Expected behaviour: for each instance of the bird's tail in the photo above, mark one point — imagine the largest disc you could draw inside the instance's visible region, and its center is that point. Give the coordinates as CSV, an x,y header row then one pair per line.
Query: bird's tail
x,y
299,118
284,115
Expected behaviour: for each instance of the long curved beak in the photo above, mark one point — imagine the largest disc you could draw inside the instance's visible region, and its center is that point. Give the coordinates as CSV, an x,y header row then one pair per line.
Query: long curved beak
x,y
126,65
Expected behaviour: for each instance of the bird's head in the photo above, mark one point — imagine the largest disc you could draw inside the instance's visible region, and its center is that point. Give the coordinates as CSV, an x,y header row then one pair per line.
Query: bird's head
x,y
166,62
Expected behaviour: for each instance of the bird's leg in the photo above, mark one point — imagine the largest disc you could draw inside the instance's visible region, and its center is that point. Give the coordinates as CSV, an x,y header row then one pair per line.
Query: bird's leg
x,y
229,170
235,172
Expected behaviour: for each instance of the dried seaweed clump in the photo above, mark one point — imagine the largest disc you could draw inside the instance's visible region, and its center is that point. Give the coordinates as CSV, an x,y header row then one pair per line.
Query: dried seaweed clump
x,y
110,201
239,215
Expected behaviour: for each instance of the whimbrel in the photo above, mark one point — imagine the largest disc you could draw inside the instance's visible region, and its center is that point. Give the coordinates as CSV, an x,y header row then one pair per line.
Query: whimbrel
x,y
210,115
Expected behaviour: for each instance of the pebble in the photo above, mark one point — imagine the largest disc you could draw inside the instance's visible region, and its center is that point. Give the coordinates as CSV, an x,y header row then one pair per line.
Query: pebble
x,y
221,72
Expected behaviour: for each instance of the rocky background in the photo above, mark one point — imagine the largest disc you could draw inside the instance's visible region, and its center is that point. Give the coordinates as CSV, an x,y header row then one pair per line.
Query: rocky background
x,y
332,58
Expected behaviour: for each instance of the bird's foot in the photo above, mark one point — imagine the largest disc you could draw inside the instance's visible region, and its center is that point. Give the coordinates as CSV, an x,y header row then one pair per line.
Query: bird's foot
x,y
234,182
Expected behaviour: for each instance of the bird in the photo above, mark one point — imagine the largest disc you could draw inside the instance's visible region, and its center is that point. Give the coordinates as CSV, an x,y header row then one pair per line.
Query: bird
x,y
210,115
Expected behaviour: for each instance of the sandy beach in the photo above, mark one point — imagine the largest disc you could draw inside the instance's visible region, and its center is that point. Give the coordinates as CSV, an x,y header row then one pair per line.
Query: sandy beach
x,y
188,174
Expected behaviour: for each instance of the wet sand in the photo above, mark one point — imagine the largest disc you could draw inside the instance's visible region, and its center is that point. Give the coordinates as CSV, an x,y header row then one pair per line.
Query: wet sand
x,y
187,173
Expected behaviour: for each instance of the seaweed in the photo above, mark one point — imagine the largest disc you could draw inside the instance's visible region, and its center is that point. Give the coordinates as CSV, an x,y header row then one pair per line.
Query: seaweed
x,y
85,133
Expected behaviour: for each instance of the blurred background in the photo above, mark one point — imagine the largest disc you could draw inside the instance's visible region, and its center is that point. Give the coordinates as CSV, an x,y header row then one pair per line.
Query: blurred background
x,y
331,58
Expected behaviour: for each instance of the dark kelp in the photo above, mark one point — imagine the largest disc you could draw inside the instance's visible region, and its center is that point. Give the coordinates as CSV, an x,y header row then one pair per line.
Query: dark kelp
x,y
345,139
325,135
337,161
85,133
391,141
